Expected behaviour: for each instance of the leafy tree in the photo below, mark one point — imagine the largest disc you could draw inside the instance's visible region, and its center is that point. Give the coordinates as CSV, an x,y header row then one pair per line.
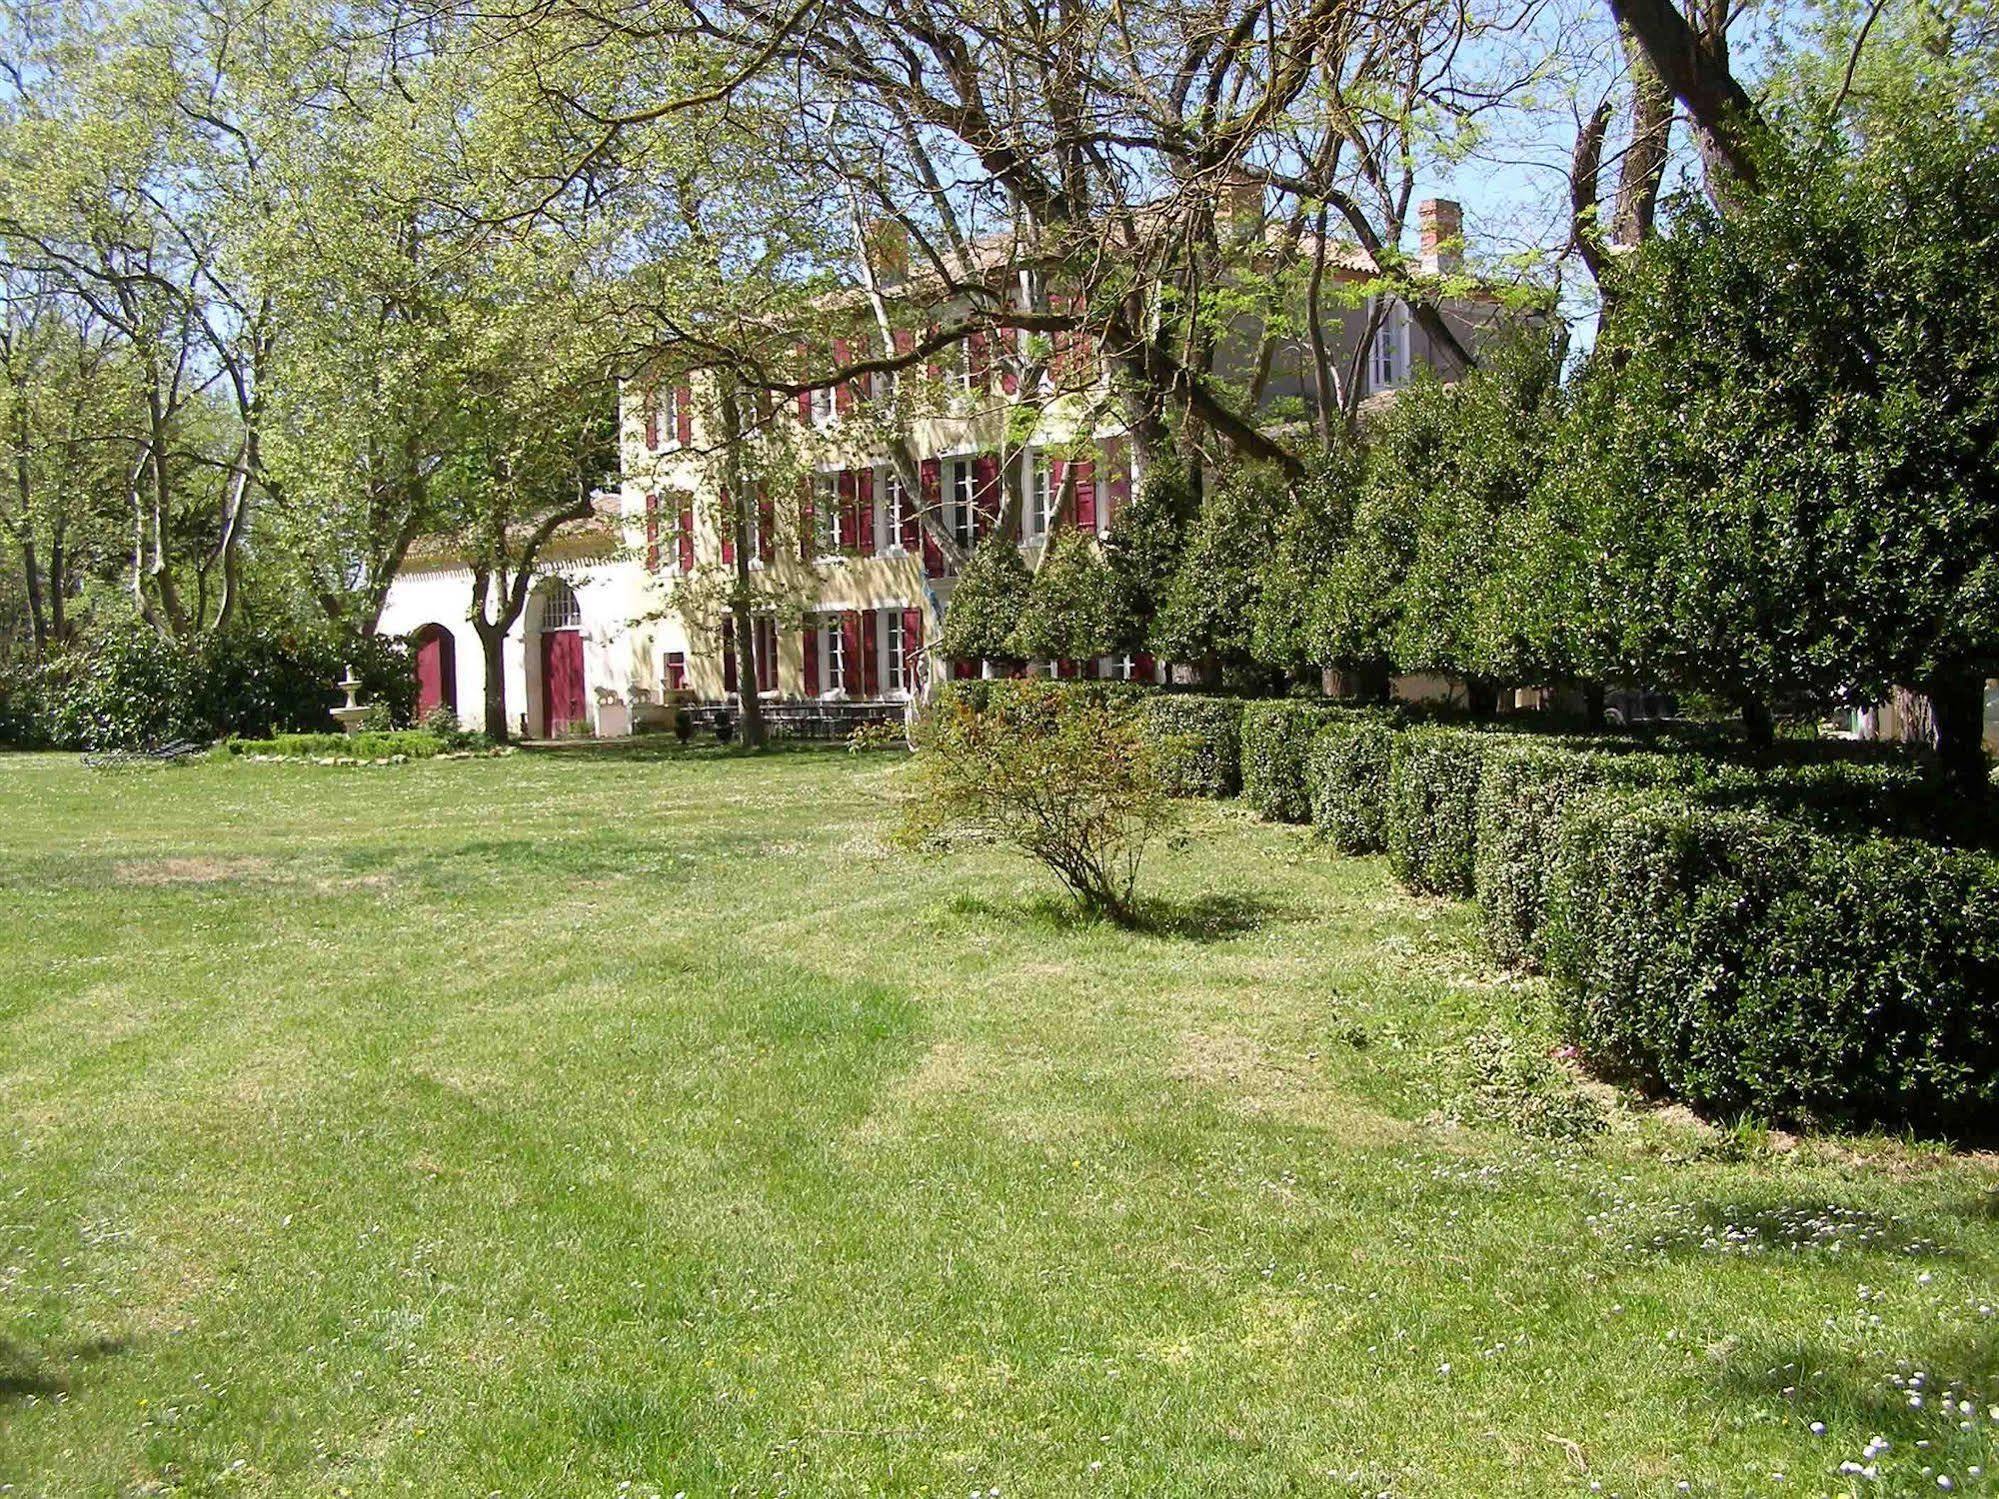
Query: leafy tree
x,y
987,603
1804,394
1067,615
1208,611
1310,540
1142,550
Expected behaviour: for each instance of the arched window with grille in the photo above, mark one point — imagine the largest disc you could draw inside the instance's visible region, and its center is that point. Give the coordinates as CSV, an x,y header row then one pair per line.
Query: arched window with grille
x,y
559,609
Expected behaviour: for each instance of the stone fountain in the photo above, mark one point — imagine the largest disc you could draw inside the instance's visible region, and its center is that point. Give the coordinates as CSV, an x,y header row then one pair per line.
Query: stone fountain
x,y
352,713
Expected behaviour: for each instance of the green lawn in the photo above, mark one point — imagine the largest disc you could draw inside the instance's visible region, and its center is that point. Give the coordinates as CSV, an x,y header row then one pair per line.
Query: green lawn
x,y
600,1124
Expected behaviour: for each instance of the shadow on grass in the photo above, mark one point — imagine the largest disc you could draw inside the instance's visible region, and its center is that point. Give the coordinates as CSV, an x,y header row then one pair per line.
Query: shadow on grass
x,y
1200,919
24,1377
1820,1382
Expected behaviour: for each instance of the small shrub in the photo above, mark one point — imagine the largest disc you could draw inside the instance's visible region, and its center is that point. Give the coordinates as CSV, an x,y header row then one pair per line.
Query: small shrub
x,y
1070,779
1199,741
1747,964
1432,819
1346,773
1276,735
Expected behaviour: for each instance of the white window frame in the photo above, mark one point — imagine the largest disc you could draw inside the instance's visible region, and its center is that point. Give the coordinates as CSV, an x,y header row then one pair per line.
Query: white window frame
x,y
892,645
832,657
1388,359
964,510
1040,495
825,405
893,502
669,416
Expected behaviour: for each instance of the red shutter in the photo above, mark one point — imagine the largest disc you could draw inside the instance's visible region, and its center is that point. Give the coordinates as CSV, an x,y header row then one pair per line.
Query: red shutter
x,y
1143,668
811,633
1065,668
978,362
912,646
727,527
1009,343
766,649
687,535
652,533
912,527
805,519
871,653
766,528
652,414
683,415
850,652
843,393
728,654
864,509
930,498
844,532
1117,478
985,495
1086,497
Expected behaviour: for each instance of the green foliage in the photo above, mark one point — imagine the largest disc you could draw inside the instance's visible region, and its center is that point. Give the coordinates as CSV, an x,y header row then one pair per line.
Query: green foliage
x,y
413,744
1142,550
1519,1086
1290,633
1346,774
137,688
1199,741
1275,738
1746,964
1208,611
1431,823
987,602
1070,779
1067,614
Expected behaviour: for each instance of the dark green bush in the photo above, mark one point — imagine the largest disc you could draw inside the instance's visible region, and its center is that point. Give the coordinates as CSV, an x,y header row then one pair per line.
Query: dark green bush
x,y
1346,772
1430,828
1200,741
1747,964
136,688
1276,736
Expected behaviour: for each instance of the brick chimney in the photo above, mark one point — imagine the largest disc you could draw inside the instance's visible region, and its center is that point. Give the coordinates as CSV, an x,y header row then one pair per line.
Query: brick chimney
x,y
1442,225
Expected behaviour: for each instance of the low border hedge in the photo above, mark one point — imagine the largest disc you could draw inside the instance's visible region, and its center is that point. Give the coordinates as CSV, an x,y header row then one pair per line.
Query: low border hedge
x,y
1277,736
416,744
1744,963
1200,740
1346,774
1430,823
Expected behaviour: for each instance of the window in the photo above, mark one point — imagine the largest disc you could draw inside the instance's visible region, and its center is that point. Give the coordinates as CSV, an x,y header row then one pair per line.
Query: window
x,y
1040,495
675,673
894,512
832,656
963,516
897,677
823,405
826,514
559,609
1388,364
964,374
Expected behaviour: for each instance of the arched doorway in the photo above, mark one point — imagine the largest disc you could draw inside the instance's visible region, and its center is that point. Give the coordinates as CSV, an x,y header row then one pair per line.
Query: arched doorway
x,y
436,669
563,704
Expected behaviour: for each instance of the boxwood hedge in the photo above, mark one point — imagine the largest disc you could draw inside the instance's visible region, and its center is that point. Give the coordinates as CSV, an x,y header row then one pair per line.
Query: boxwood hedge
x,y
1277,738
1430,824
1742,962
1346,774
1202,742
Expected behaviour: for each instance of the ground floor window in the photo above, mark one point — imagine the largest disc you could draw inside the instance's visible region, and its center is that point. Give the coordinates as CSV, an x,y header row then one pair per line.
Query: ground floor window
x,y
675,671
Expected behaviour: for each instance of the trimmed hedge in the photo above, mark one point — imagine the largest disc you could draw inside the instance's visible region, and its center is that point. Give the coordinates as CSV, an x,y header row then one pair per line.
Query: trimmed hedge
x,y
1430,824
1346,771
1744,963
417,744
1276,738
1201,739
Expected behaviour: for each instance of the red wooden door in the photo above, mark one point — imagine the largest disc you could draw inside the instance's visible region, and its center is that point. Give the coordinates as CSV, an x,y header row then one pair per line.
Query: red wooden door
x,y
561,681
436,670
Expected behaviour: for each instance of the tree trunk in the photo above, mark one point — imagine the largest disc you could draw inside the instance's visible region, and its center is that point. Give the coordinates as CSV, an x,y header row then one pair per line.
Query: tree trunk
x,y
493,648
1957,704
1758,727
1594,717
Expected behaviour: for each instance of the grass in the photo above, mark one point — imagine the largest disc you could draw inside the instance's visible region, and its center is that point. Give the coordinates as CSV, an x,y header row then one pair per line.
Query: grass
x,y
599,1123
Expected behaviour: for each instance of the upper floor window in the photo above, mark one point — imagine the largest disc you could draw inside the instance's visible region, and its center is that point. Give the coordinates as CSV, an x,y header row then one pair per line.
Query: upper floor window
x,y
823,405
1388,361
1040,495
894,507
963,514
826,514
